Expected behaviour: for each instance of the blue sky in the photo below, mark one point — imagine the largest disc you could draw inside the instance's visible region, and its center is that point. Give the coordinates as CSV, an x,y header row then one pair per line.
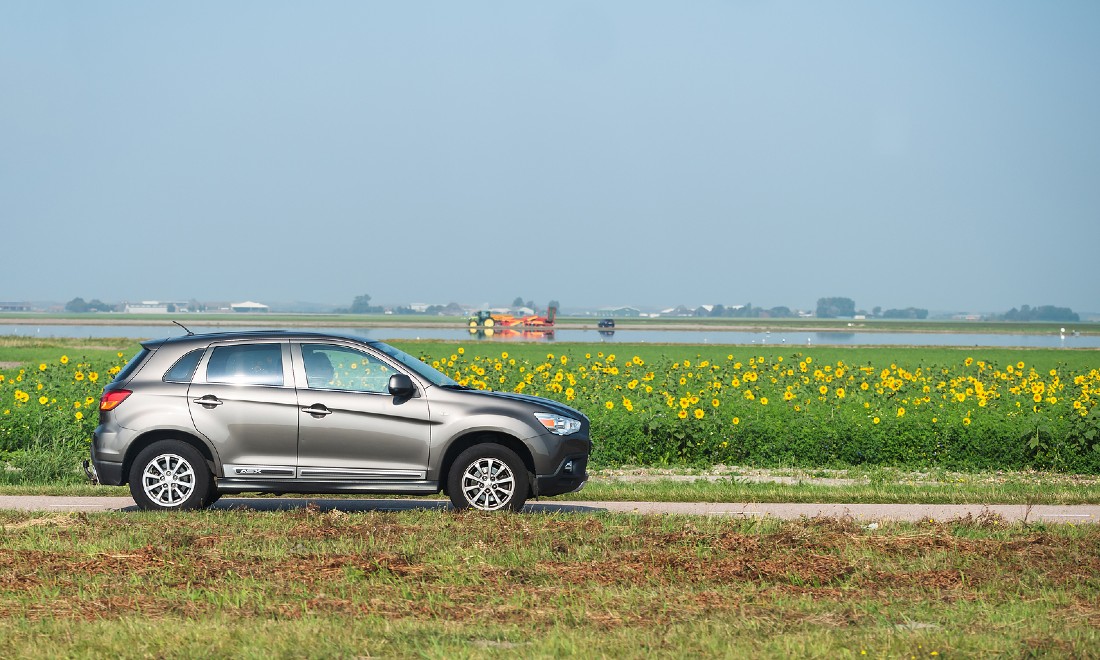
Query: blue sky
x,y
932,154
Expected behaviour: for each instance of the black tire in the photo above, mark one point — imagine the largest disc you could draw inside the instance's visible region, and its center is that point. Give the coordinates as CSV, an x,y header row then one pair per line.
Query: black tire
x,y
488,477
170,475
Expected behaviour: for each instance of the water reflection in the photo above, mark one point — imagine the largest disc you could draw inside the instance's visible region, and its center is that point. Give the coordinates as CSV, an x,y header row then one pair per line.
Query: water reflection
x,y
481,332
835,337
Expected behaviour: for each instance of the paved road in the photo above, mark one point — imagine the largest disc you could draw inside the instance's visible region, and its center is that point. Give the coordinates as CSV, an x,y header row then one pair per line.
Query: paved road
x,y
860,512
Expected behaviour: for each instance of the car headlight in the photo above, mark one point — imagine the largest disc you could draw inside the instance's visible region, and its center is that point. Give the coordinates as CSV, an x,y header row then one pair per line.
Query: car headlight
x,y
559,424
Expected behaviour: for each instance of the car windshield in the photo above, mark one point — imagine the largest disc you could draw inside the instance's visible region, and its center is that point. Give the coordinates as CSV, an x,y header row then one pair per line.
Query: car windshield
x,y
422,369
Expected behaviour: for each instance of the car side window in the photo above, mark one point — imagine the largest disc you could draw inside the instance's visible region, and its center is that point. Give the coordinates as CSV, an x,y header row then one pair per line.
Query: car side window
x,y
246,364
330,367
184,368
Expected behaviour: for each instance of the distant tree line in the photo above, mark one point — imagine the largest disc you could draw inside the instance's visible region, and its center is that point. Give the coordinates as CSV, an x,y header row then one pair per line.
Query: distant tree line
x,y
450,309
907,313
79,306
1040,313
361,305
745,312
831,308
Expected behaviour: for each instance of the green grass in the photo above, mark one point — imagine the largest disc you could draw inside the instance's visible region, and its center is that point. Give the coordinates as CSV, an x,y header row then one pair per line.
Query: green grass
x,y
32,351
882,486
432,584
733,490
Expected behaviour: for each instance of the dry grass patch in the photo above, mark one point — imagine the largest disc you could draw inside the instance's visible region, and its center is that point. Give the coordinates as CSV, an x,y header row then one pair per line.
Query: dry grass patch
x,y
557,577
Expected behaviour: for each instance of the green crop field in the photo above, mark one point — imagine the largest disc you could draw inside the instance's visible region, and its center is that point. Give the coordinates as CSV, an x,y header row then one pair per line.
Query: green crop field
x,y
679,405
774,406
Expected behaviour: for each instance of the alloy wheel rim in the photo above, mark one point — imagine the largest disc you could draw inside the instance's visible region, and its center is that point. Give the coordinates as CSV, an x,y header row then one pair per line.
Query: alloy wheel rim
x,y
168,480
488,484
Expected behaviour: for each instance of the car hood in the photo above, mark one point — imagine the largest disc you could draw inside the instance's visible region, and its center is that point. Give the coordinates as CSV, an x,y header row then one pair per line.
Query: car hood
x,y
538,401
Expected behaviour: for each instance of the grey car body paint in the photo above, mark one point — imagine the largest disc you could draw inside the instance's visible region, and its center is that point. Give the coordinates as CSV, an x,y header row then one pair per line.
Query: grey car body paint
x,y
262,425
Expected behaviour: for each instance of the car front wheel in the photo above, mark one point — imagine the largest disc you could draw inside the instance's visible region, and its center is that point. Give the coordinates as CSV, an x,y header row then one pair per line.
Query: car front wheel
x,y
488,477
170,475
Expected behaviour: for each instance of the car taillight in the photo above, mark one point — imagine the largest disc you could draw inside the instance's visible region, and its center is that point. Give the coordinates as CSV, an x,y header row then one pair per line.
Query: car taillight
x,y
111,399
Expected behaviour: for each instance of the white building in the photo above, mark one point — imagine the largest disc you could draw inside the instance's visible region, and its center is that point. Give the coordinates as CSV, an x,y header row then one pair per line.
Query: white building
x,y
249,307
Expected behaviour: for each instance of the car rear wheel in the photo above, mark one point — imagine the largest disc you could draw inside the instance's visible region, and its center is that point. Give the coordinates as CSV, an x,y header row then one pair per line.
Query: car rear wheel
x,y
488,477
170,475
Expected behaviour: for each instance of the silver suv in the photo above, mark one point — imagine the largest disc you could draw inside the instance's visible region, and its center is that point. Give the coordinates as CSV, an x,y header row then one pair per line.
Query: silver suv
x,y
191,418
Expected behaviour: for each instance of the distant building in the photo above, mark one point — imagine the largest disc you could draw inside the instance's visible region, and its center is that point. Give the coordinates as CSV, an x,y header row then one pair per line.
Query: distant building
x,y
154,307
15,307
621,311
249,307
679,310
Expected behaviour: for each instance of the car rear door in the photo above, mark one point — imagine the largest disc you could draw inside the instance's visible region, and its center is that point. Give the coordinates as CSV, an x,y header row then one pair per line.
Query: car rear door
x,y
349,425
243,400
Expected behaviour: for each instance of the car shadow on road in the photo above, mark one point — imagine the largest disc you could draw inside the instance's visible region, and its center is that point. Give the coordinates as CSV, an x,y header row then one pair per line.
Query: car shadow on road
x,y
367,505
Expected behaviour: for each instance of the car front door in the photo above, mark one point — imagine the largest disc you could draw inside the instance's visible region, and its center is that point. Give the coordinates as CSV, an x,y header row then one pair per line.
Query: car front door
x,y
242,399
349,425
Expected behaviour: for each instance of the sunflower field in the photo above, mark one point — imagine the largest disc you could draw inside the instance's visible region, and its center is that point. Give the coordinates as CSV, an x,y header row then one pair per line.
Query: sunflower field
x,y
48,412
674,406
795,410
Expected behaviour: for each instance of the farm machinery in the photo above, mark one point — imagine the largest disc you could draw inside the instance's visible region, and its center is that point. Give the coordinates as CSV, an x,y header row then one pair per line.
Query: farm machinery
x,y
485,320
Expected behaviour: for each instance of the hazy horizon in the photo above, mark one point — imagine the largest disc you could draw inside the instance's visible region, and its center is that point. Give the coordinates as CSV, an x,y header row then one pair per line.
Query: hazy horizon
x,y
312,306
908,154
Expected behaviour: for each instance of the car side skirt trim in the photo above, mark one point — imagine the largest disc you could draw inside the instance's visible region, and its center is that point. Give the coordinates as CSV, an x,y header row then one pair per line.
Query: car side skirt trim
x,y
233,485
358,473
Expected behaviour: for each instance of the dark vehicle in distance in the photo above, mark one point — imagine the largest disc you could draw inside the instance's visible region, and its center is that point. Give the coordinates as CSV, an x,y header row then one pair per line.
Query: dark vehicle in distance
x,y
192,418
606,323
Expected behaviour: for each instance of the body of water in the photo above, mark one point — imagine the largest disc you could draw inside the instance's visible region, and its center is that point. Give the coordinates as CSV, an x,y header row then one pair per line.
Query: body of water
x,y
621,336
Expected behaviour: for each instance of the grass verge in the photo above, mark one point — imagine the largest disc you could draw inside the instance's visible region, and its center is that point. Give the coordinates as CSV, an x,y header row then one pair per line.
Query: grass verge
x,y
425,583
879,486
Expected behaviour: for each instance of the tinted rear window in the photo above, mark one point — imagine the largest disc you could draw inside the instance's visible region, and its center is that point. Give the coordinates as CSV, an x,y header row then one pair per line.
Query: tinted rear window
x,y
132,365
184,368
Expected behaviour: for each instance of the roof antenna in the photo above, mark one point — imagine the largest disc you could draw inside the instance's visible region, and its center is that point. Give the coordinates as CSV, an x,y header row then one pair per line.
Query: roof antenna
x,y
189,333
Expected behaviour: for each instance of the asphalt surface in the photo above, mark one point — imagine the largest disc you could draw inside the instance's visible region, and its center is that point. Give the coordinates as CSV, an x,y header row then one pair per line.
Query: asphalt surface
x,y
1077,514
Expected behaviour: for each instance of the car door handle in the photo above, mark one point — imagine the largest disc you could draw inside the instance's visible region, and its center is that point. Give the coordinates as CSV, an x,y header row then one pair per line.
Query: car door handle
x,y
209,401
317,410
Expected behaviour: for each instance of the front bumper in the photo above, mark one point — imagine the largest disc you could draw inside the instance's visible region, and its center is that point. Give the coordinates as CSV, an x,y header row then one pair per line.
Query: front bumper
x,y
570,477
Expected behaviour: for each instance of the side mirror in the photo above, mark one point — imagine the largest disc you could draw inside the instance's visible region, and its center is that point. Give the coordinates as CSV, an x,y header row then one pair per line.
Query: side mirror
x,y
401,385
